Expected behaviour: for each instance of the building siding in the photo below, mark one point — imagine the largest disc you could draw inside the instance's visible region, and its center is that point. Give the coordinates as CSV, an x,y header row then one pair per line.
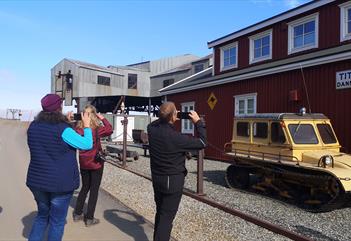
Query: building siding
x,y
328,31
273,97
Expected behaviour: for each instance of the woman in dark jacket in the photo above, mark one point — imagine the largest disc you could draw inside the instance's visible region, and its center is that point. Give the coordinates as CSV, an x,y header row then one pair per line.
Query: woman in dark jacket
x,y
53,170
91,169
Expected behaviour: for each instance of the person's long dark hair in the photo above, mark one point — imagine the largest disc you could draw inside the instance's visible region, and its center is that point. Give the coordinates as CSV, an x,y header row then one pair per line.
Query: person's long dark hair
x,y
51,117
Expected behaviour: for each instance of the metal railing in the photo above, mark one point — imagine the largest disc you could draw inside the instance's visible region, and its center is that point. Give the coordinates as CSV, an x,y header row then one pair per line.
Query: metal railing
x,y
264,156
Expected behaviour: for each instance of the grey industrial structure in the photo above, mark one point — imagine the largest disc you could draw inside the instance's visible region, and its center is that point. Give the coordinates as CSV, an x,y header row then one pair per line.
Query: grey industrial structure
x,y
137,84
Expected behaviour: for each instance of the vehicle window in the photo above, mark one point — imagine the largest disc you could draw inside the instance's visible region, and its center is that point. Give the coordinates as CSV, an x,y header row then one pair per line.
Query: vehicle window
x,y
242,129
277,133
303,134
260,130
326,133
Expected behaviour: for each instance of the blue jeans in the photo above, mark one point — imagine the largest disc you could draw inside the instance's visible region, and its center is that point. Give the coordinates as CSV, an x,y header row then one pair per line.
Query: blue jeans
x,y
52,212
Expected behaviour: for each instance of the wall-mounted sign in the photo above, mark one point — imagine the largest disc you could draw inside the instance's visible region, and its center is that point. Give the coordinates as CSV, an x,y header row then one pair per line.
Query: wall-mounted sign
x,y
343,79
212,101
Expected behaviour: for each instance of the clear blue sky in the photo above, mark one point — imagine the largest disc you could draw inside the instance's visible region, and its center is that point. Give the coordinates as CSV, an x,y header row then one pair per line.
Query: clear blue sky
x,y
36,35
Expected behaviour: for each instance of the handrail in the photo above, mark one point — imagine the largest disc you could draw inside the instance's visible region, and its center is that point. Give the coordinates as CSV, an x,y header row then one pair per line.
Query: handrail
x,y
259,155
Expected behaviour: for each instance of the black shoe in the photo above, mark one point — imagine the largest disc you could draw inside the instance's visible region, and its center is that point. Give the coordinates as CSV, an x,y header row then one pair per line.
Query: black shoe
x,y
90,222
77,218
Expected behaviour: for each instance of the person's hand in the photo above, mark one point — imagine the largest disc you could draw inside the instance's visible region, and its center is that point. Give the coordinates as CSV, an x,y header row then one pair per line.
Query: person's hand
x,y
101,117
69,116
194,116
86,119
177,115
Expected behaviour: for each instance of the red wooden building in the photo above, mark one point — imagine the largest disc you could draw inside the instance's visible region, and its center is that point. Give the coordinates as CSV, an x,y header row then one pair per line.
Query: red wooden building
x,y
300,58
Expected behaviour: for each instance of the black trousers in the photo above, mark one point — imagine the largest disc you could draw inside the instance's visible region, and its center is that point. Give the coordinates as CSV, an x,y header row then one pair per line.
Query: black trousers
x,y
168,192
91,180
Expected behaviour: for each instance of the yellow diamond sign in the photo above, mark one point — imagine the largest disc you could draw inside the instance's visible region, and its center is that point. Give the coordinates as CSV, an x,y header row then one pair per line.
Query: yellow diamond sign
x,y
212,101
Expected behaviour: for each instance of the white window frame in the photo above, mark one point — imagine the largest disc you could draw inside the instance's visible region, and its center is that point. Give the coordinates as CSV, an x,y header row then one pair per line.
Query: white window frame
x,y
244,97
252,46
233,45
300,21
344,35
187,131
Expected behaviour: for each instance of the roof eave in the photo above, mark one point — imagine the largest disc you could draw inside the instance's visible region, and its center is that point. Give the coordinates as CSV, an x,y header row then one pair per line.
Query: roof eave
x,y
278,69
278,18
187,78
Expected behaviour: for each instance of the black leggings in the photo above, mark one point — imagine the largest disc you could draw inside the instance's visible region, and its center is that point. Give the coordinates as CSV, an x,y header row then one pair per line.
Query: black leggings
x,y
91,180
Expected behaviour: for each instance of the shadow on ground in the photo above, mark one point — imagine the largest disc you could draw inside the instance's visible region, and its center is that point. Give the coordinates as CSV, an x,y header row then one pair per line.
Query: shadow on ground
x,y
313,233
216,177
27,223
131,226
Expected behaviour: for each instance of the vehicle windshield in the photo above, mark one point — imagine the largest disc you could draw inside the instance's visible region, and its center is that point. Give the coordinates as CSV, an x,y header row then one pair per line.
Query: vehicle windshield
x,y
326,133
303,133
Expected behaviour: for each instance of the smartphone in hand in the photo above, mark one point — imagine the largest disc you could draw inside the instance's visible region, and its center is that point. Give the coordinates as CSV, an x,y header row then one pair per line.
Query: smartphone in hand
x,y
183,115
77,117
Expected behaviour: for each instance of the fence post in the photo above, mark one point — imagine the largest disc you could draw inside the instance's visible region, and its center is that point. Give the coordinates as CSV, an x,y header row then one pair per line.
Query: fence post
x,y
124,123
200,173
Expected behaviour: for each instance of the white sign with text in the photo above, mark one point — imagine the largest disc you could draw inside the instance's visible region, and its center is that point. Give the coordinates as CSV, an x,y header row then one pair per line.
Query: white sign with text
x,y
343,79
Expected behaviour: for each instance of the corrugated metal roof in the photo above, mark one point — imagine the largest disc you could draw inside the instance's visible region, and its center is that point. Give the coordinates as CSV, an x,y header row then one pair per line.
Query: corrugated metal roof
x,y
127,67
181,68
203,58
139,63
92,66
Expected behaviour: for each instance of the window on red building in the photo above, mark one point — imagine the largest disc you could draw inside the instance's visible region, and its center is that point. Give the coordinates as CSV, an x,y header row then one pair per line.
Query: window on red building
x,y
229,56
345,21
261,46
187,125
303,34
245,104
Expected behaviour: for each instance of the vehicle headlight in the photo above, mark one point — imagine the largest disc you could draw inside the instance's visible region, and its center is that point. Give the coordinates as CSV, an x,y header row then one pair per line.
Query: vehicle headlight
x,y
327,160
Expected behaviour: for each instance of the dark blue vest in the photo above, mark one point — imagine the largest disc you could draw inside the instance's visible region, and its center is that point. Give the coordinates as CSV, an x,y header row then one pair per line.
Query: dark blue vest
x,y
53,165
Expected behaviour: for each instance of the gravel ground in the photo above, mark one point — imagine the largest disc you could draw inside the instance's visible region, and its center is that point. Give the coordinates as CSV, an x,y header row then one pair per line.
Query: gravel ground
x,y
194,221
333,225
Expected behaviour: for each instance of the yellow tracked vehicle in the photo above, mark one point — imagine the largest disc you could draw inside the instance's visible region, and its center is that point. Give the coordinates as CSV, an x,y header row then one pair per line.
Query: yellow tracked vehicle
x,y
295,156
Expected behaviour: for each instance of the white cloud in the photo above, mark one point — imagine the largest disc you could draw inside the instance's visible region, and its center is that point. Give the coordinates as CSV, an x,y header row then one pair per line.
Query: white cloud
x,y
292,3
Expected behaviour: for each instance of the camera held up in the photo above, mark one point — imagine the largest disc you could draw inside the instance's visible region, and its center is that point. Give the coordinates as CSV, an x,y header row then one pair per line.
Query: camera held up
x,y
183,115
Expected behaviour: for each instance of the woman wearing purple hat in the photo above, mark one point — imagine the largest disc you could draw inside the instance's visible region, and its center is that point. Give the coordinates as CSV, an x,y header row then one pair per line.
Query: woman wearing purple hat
x,y
53,170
